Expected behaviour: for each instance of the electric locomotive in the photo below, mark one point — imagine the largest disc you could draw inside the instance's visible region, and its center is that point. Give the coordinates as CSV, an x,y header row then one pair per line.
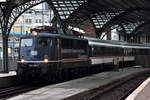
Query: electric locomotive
x,y
46,53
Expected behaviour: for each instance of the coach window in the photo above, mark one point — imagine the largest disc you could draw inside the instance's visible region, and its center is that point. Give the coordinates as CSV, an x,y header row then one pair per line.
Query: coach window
x,y
124,51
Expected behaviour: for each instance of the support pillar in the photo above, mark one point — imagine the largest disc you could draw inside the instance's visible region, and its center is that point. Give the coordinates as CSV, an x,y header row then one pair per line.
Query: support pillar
x,y
5,54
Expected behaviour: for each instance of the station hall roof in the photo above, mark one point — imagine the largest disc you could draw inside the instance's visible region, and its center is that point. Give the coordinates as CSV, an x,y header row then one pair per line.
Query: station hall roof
x,y
94,16
105,14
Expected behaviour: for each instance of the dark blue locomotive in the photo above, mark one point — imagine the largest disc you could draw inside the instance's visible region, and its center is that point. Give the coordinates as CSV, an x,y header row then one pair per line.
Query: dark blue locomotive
x,y
47,54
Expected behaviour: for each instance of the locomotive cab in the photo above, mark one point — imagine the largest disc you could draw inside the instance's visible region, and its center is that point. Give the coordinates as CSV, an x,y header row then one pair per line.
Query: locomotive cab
x,y
36,52
49,53
35,49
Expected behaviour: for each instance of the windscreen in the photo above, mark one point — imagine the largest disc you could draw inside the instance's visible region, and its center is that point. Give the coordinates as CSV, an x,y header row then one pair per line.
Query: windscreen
x,y
44,42
26,42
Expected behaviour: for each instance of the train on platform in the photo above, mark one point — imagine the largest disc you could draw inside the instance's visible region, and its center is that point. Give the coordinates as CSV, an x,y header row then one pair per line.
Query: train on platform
x,y
50,54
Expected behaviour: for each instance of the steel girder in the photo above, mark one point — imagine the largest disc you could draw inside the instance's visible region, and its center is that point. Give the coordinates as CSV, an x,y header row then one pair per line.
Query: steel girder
x,y
65,8
70,15
123,18
125,13
76,18
144,27
97,20
12,11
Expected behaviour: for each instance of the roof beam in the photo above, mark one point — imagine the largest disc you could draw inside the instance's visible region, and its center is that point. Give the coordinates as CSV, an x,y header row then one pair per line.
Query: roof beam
x,y
118,19
141,27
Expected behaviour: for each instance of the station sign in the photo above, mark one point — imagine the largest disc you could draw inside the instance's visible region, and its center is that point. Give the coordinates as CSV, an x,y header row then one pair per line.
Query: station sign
x,y
2,0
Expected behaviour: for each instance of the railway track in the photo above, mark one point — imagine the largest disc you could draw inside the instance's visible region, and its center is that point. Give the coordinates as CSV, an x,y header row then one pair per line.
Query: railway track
x,y
18,88
118,90
15,90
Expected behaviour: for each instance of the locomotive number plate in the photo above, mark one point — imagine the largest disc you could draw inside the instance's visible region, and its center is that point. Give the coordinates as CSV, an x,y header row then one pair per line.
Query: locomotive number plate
x,y
33,65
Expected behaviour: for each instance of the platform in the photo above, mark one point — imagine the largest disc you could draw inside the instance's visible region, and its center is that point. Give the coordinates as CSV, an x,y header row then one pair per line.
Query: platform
x,y
7,79
11,73
76,87
142,92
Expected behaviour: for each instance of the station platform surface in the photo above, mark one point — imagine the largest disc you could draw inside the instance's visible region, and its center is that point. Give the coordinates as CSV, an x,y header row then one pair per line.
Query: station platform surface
x,y
8,79
68,89
142,92
11,73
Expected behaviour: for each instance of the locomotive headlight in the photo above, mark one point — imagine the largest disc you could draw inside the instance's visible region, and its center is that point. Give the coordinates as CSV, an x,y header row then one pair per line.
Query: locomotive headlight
x,y
22,60
35,33
46,60
34,53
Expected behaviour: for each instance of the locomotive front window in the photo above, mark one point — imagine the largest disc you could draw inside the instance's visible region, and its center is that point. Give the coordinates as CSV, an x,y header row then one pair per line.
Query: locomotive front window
x,y
44,42
26,42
